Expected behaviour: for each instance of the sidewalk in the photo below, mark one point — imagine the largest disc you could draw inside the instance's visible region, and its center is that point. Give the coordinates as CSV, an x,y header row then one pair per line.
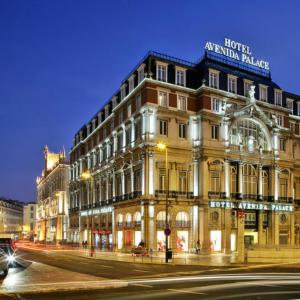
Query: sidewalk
x,y
214,260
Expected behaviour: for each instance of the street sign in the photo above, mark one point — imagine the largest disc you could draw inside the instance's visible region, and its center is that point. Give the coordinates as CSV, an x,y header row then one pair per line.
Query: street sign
x,y
167,231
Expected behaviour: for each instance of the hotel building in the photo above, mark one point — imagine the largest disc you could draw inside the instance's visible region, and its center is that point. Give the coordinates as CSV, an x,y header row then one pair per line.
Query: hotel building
x,y
229,176
53,199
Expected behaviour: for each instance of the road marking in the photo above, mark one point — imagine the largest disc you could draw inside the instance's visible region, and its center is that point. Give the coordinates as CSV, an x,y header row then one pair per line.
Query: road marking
x,y
143,285
104,266
185,292
144,271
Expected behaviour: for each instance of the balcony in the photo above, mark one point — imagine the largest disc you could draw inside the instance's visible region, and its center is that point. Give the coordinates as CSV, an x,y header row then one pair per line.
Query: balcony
x,y
182,224
216,195
127,196
174,194
285,200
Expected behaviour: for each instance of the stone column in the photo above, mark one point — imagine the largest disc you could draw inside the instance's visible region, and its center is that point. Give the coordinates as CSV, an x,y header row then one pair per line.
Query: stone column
x,y
227,178
143,175
240,238
124,138
132,179
226,232
123,182
107,186
261,236
151,173
240,177
260,183
204,229
276,184
196,177
132,132
292,229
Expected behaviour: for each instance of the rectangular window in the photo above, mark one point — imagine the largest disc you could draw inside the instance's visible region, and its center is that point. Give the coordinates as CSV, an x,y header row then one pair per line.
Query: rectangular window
x,y
216,105
278,98
298,108
138,101
162,179
183,182
129,110
282,144
120,141
182,131
141,73
182,102
215,132
163,99
137,180
121,117
247,85
161,72
263,93
292,126
280,120
214,79
131,83
289,104
232,84
128,136
163,127
180,77
123,92
138,129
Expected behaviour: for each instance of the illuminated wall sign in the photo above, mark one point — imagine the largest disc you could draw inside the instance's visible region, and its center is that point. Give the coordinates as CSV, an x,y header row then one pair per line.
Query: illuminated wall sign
x,y
96,211
251,206
237,51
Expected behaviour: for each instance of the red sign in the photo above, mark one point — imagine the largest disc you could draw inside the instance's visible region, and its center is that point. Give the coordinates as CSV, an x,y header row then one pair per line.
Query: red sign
x,y
102,231
95,231
167,231
241,214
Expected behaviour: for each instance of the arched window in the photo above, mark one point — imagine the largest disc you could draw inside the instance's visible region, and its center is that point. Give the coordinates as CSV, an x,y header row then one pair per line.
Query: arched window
x,y
128,218
250,134
182,219
137,217
249,180
283,184
161,216
119,218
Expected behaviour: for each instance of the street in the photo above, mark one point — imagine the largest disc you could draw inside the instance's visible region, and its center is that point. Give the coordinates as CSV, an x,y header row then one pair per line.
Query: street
x,y
63,275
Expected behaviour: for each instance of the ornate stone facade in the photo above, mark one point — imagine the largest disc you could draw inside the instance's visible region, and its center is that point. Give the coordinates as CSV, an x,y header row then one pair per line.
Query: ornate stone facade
x,y
233,176
53,199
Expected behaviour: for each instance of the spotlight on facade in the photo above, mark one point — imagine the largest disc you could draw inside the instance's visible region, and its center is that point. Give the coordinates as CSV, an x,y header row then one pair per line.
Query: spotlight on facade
x,y
161,146
85,175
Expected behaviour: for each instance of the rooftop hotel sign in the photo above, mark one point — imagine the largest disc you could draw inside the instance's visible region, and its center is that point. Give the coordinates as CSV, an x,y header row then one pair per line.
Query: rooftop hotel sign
x,y
237,51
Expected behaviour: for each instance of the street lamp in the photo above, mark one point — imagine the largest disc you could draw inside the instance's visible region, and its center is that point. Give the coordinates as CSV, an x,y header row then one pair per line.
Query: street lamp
x,y
85,176
163,147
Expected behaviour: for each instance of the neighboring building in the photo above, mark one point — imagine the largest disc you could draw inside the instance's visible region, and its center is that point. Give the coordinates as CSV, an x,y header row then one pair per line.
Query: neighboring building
x,y
53,198
11,218
233,170
29,220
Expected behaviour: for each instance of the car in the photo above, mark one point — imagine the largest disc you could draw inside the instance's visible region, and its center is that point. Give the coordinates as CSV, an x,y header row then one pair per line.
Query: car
x,y
4,262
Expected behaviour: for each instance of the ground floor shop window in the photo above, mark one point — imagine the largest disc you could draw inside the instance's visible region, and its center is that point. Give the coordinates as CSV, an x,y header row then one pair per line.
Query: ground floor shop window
x,y
137,237
161,241
233,242
215,240
128,239
182,241
120,240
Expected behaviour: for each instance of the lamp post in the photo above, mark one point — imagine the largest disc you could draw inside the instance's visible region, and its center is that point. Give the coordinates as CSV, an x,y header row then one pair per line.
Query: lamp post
x,y
163,147
86,176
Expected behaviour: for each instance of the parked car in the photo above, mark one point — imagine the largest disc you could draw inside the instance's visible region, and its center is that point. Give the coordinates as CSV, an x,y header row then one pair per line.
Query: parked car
x,y
139,251
7,252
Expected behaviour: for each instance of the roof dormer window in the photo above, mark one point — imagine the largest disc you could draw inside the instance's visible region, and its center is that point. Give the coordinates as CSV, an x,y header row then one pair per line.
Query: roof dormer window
x,y
131,83
289,104
278,97
123,91
141,73
106,109
180,76
263,93
214,79
161,71
232,84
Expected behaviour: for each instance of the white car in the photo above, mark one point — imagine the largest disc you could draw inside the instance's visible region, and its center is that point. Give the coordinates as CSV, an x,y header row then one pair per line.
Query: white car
x,y
4,262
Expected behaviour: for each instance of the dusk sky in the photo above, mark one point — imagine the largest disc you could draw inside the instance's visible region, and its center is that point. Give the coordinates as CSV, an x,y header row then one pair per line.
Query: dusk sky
x,y
61,60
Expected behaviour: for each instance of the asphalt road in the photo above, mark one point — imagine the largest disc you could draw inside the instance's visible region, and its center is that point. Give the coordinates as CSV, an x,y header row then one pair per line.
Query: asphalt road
x,y
168,281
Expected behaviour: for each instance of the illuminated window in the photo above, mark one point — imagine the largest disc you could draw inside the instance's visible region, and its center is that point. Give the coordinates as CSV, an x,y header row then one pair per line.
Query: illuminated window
x,y
282,144
249,179
182,181
182,102
283,184
216,105
162,99
162,179
265,183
